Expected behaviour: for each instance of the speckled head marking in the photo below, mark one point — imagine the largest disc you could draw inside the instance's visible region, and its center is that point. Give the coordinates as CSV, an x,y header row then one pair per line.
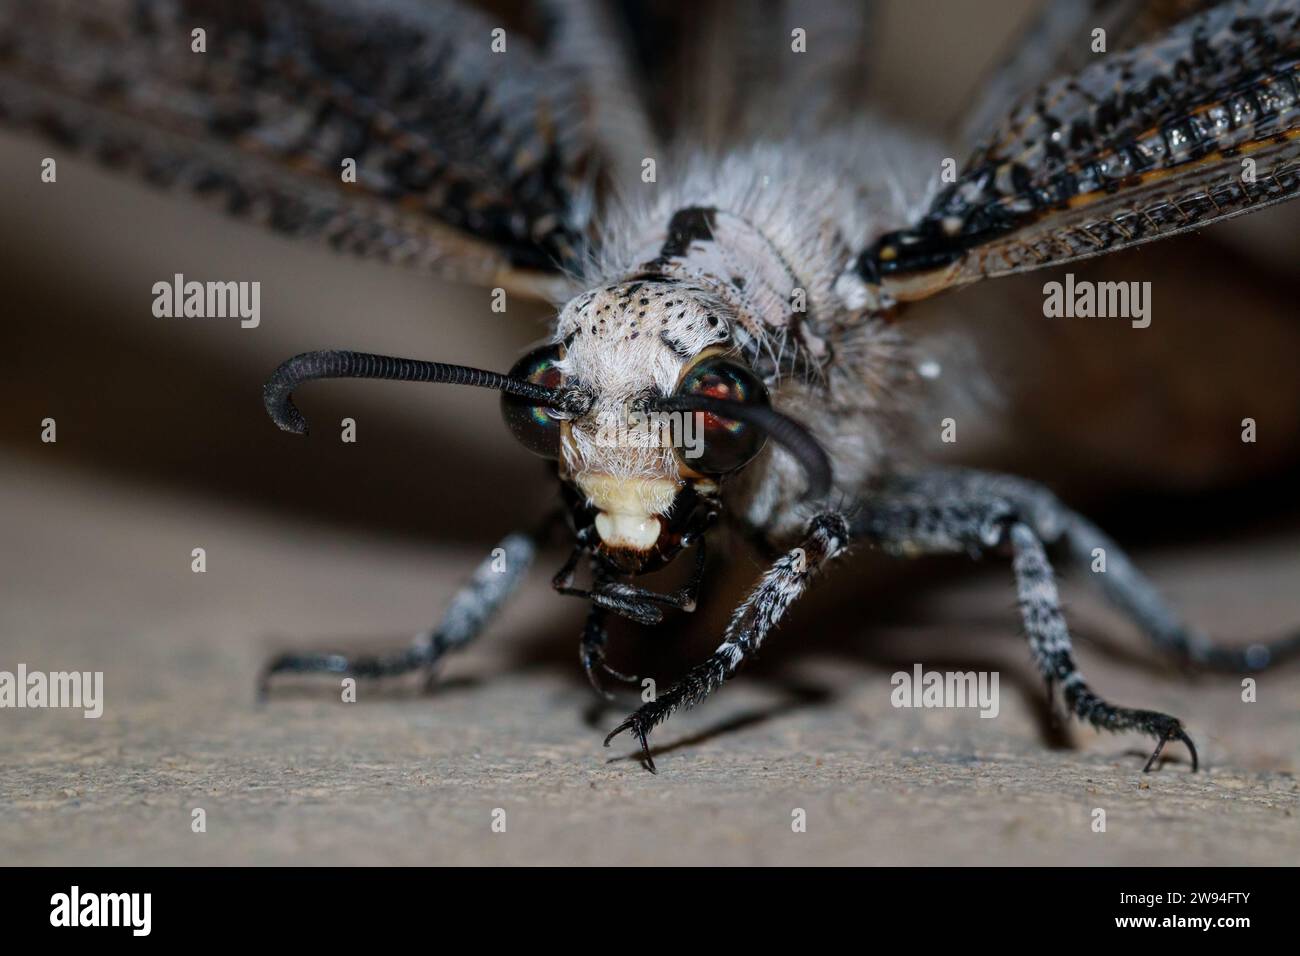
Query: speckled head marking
x,y
709,301
627,342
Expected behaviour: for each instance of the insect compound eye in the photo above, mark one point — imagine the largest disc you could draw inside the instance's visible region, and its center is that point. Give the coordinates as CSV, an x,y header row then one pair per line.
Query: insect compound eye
x,y
535,426
727,444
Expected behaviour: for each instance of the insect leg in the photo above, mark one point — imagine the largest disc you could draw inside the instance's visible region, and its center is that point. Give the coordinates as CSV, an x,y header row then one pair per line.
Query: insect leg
x,y
492,583
591,652
629,600
956,511
1122,583
1049,640
683,599
783,582
632,606
1130,591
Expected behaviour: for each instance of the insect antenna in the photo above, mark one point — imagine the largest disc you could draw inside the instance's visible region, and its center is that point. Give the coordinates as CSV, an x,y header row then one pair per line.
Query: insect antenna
x,y
278,391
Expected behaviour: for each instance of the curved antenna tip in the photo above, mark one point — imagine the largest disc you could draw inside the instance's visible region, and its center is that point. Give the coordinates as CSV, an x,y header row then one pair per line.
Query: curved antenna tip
x,y
285,414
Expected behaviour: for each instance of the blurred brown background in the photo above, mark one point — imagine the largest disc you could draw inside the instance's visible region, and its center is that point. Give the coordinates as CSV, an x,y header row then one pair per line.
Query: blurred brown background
x,y
163,446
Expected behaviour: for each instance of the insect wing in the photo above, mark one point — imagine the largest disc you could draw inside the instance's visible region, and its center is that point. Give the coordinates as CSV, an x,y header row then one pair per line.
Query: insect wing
x,y
1060,39
418,133
1197,126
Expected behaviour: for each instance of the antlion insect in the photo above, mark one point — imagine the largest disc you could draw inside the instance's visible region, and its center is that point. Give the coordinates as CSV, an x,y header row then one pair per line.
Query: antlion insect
x,y
758,284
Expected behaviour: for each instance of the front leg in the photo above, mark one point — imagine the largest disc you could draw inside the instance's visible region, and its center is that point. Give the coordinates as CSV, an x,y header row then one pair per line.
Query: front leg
x,y
780,586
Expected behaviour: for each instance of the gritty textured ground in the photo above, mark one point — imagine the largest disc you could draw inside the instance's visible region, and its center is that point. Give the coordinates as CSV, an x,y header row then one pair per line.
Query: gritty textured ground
x,y
402,778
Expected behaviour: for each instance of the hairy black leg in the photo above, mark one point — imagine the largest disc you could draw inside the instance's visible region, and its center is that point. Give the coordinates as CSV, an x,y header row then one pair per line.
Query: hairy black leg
x,y
968,511
591,652
632,601
471,608
1049,641
1122,583
762,610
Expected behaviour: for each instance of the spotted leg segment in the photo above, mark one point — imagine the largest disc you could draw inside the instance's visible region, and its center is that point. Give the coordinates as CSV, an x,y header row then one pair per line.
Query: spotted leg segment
x,y
762,610
491,585
1083,543
1049,641
971,511
1130,591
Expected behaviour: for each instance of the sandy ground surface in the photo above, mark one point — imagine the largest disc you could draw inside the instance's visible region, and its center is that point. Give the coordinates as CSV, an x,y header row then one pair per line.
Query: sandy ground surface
x,y
403,778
